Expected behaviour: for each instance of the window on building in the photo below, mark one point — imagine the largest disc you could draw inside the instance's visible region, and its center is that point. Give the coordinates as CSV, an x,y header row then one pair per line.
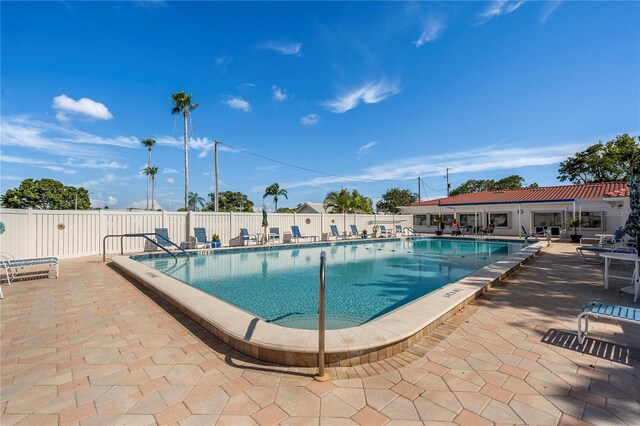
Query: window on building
x,y
447,218
591,220
543,219
467,219
500,220
419,220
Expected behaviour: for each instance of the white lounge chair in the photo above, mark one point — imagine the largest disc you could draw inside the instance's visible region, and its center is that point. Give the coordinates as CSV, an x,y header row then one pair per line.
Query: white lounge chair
x,y
39,267
335,232
595,251
384,231
604,310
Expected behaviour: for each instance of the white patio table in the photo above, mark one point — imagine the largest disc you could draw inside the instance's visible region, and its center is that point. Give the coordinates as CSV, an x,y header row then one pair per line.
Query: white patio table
x,y
625,257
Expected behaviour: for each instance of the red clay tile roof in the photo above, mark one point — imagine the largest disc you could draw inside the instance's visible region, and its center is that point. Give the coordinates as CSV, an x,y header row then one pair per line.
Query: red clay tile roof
x,y
528,195
622,192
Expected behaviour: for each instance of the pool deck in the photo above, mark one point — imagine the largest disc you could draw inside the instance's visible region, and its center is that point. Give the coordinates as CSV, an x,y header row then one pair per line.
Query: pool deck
x,y
96,348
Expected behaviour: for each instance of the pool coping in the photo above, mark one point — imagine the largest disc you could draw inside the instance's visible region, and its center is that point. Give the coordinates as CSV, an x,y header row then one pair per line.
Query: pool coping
x,y
373,341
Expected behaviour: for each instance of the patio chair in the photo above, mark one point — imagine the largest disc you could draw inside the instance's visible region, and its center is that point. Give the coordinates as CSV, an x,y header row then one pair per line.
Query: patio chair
x,y
591,254
355,233
399,230
40,267
536,236
245,236
295,233
604,310
604,240
335,232
201,238
274,234
384,231
162,238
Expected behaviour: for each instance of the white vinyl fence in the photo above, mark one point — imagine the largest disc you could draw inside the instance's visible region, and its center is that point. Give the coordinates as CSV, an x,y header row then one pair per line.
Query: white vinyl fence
x,y
75,233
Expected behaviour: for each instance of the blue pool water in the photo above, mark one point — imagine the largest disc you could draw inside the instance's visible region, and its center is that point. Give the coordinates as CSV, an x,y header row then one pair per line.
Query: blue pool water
x,y
364,280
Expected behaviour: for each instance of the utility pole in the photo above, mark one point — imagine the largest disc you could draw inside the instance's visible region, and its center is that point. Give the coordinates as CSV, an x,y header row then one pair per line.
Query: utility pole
x,y
215,149
448,184
419,199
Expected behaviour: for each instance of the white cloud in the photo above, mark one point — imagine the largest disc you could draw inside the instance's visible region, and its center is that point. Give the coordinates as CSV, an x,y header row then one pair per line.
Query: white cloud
x,y
68,107
171,181
366,148
498,8
112,201
432,30
310,119
237,102
279,94
93,164
481,159
282,48
548,10
56,139
169,171
370,93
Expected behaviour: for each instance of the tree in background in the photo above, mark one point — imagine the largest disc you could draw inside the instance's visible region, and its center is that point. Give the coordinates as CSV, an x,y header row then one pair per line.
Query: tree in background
x,y
509,182
395,197
182,104
288,209
46,194
602,162
275,191
196,202
151,173
229,202
149,143
360,203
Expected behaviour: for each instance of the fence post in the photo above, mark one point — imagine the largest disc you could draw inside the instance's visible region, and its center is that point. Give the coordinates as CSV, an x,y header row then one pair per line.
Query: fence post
x,y
102,229
230,227
32,235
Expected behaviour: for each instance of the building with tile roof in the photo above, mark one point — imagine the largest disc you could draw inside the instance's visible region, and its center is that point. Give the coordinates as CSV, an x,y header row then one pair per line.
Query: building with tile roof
x,y
602,206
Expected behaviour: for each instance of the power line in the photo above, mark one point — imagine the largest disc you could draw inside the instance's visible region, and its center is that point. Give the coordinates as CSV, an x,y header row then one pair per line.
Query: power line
x,y
313,170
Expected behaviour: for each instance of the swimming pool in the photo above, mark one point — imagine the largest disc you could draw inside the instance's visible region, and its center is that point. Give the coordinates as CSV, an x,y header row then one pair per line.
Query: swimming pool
x,y
364,280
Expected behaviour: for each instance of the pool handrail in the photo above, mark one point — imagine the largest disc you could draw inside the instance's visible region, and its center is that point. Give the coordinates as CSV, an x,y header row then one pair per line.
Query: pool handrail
x,y
144,235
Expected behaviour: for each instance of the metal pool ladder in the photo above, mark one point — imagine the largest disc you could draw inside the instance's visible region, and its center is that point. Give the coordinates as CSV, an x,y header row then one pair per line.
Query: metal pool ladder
x,y
322,376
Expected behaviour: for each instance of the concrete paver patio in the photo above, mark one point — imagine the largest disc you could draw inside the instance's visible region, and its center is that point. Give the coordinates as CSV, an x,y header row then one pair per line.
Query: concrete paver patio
x,y
94,348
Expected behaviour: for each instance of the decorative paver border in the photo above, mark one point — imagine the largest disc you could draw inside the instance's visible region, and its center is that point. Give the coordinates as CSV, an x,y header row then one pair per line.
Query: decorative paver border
x,y
374,341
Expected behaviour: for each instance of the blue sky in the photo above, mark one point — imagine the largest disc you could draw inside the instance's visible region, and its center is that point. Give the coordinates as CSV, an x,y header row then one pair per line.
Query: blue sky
x,y
375,93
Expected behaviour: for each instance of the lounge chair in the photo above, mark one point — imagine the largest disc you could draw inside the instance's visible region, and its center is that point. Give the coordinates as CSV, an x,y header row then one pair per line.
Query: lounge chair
x,y
244,235
591,254
399,230
355,233
384,231
604,310
295,233
335,232
162,238
39,267
201,238
537,235
617,237
274,234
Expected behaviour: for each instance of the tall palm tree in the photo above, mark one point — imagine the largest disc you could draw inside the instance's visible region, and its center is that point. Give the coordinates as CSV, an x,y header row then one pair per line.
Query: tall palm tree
x,y
275,191
339,201
149,143
195,201
152,172
182,104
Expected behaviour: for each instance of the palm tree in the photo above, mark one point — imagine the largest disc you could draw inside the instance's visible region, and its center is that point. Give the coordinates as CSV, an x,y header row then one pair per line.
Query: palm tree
x,y
152,171
182,103
275,191
149,144
360,203
339,201
195,201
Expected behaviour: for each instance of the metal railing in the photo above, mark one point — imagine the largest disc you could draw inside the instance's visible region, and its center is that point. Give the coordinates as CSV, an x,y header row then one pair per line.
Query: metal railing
x,y
322,376
146,237
410,230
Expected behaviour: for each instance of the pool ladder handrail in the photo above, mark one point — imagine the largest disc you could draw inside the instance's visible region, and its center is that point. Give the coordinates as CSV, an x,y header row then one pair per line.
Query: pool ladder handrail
x,y
144,235
411,230
322,376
